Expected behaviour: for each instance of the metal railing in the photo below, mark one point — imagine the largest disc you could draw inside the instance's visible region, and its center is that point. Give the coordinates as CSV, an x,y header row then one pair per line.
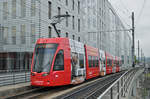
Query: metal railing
x,y
120,87
14,77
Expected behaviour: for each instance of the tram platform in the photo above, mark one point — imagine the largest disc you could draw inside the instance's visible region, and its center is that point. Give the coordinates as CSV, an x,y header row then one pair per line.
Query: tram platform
x,y
13,89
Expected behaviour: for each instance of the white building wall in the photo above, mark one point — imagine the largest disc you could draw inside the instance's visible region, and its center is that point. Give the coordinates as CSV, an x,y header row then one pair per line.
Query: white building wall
x,y
97,17
41,22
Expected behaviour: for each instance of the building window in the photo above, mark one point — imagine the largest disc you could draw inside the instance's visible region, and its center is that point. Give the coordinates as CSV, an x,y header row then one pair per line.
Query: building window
x,y
3,61
73,37
5,10
66,2
14,9
59,12
66,34
79,39
5,35
78,25
66,20
23,8
14,34
73,26
49,32
33,33
23,34
33,8
72,4
49,9
78,7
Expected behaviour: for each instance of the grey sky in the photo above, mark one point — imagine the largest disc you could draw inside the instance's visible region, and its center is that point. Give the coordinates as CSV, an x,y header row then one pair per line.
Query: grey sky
x,y
142,20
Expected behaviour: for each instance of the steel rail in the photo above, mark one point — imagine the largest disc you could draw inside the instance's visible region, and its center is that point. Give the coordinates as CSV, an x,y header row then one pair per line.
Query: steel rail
x,y
101,88
114,84
23,94
85,88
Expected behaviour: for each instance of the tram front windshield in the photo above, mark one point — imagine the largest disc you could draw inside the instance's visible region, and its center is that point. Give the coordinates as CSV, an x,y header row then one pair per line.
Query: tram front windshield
x,y
43,57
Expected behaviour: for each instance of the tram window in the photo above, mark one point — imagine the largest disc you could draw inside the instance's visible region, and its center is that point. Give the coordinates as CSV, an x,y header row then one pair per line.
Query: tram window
x,y
115,63
107,62
59,61
118,63
90,61
101,61
97,63
81,60
110,62
94,62
104,62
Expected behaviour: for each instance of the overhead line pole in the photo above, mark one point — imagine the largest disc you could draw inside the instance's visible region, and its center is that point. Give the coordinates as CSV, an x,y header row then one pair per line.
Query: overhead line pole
x,y
141,55
138,52
133,64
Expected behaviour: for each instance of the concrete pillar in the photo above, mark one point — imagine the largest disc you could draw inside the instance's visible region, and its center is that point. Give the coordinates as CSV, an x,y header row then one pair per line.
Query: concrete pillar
x,y
9,62
1,37
22,60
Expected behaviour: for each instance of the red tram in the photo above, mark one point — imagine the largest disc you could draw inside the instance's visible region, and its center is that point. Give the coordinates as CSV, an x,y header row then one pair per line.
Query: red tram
x,y
62,61
109,63
92,62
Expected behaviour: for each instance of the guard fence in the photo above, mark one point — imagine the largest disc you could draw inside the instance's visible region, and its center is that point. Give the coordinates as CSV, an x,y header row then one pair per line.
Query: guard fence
x,y
14,77
120,87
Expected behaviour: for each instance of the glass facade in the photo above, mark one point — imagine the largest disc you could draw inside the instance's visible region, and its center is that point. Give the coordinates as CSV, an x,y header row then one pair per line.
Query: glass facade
x,y
92,22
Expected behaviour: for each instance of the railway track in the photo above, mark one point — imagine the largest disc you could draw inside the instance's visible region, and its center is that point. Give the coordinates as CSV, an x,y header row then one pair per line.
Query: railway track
x,y
85,90
93,90
36,92
24,94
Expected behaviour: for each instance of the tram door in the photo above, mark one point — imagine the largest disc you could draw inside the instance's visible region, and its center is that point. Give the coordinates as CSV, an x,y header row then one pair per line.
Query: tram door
x,y
77,62
102,63
61,65
58,68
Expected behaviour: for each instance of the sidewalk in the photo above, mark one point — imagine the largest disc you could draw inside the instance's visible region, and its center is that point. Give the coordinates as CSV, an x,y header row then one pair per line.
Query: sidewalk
x,y
13,89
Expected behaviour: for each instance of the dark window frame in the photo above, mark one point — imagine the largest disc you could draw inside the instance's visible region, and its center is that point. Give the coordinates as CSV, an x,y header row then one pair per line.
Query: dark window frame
x,y
59,12
67,35
78,7
67,23
94,62
78,39
73,37
81,60
73,22
90,61
66,2
49,9
97,62
62,68
79,25
49,31
73,3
